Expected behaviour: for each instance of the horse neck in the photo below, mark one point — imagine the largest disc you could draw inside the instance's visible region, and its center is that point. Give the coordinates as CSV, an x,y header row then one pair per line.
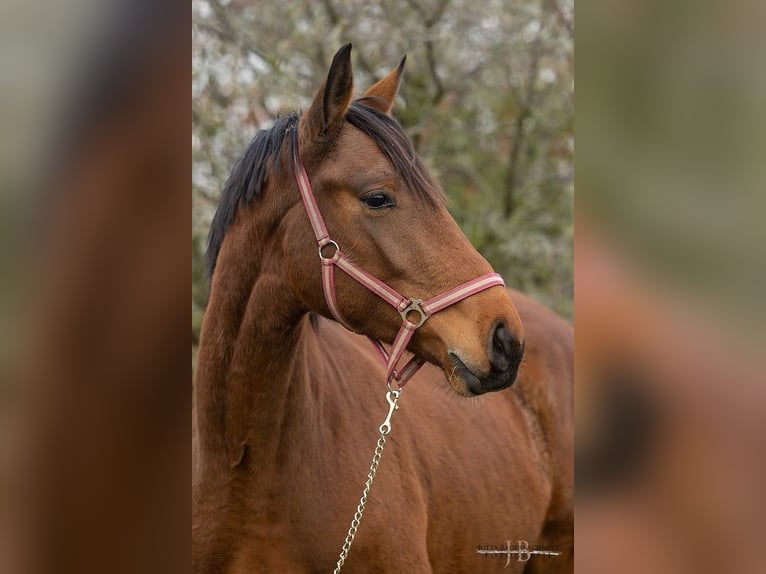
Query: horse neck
x,y
250,368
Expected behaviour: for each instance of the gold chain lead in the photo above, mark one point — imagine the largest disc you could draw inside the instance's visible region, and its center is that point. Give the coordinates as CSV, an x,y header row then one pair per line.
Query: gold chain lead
x,y
392,397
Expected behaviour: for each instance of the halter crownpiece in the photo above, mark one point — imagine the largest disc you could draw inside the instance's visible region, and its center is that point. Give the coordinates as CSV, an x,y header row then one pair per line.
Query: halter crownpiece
x,y
331,256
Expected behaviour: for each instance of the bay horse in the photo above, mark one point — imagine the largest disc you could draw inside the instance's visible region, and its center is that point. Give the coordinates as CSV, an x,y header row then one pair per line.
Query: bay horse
x,y
287,401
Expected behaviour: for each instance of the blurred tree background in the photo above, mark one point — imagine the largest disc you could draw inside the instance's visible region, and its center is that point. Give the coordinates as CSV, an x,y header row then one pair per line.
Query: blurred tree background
x,y
487,99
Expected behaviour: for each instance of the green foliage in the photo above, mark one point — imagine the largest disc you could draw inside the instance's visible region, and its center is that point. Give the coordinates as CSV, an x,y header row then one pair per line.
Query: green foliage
x,y
487,99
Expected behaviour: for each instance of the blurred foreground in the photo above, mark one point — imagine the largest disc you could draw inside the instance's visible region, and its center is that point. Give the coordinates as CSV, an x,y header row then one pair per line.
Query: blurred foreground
x,y
95,392
670,276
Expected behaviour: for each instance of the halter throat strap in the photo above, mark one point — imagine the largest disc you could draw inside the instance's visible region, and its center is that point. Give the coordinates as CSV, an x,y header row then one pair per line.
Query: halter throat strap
x,y
414,312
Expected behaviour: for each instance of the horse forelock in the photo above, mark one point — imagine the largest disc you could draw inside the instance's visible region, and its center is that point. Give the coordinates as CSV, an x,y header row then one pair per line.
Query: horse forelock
x,y
250,172
392,140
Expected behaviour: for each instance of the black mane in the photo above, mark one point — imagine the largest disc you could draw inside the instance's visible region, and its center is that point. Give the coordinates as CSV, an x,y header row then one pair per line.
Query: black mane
x,y
250,172
246,179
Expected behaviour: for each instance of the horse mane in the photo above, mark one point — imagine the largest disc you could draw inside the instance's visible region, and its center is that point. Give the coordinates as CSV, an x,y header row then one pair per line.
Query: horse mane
x,y
252,168
246,180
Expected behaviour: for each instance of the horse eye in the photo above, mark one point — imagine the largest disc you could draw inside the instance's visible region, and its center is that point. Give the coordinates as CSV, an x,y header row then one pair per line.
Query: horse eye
x,y
377,200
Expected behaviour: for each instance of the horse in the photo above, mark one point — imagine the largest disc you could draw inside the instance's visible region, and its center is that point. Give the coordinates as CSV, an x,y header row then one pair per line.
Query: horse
x,y
287,401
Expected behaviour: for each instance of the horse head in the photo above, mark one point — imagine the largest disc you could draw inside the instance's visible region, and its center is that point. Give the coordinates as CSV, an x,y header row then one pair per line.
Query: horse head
x,y
389,216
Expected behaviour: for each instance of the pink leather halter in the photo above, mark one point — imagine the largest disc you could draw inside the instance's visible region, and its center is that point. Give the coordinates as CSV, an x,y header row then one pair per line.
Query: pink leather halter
x,y
406,307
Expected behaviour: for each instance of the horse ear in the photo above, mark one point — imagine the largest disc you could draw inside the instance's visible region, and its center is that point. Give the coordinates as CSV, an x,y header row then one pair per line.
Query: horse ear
x,y
325,116
382,94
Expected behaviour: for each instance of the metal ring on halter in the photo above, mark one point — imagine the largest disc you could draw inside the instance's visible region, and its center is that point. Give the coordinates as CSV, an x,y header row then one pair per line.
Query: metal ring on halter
x,y
414,307
323,245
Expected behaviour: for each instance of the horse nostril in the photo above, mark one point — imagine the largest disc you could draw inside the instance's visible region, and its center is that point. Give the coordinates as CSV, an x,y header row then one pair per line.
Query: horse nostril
x,y
505,349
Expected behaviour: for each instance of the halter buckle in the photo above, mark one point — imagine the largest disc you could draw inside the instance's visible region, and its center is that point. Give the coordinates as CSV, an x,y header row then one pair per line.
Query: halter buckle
x,y
414,307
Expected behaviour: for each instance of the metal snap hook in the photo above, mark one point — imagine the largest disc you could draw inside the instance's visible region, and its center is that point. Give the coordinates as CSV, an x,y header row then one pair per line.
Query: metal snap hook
x,y
392,397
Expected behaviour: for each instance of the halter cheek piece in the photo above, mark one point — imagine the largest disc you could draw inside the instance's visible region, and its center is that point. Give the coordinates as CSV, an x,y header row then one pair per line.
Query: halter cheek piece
x,y
414,312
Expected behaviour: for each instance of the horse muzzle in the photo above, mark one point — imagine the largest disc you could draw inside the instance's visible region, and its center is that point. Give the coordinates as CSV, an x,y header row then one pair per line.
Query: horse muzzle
x,y
505,352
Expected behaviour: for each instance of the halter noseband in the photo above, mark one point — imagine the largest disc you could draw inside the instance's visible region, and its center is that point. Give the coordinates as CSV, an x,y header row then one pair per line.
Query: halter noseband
x,y
331,256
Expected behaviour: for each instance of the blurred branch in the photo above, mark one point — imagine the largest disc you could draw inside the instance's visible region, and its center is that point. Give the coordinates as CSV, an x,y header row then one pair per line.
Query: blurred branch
x,y
227,31
332,13
433,19
564,21
518,138
512,178
428,23
438,13
337,21
213,201
439,94
415,5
